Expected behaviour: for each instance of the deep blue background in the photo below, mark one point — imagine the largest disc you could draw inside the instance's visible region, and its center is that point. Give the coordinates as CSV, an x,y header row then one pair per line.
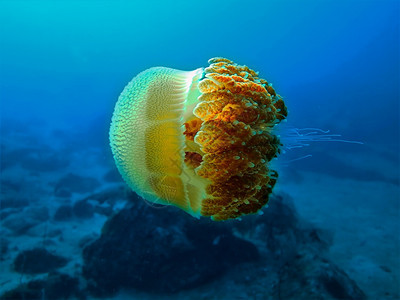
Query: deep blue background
x,y
336,63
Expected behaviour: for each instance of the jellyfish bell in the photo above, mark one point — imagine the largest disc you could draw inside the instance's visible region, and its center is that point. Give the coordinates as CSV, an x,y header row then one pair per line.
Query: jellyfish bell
x,y
200,140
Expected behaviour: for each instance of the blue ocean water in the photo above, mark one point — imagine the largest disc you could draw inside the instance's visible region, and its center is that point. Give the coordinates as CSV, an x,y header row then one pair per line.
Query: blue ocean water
x,y
336,64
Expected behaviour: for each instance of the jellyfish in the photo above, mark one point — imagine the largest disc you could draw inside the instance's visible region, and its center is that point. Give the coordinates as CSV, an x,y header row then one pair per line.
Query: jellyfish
x,y
200,140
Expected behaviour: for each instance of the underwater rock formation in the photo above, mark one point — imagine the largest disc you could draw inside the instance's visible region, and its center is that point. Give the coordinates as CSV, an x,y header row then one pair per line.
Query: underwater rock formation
x,y
37,261
200,140
22,221
160,250
12,202
83,209
295,253
55,286
313,277
63,213
165,251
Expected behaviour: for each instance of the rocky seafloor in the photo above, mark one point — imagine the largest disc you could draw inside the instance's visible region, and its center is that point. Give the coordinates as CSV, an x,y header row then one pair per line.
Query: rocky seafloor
x,y
71,229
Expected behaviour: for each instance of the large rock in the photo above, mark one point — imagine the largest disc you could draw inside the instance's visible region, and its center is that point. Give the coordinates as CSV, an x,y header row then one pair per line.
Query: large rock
x,y
4,247
55,286
295,252
313,277
11,202
281,233
63,213
20,223
38,261
162,250
83,209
